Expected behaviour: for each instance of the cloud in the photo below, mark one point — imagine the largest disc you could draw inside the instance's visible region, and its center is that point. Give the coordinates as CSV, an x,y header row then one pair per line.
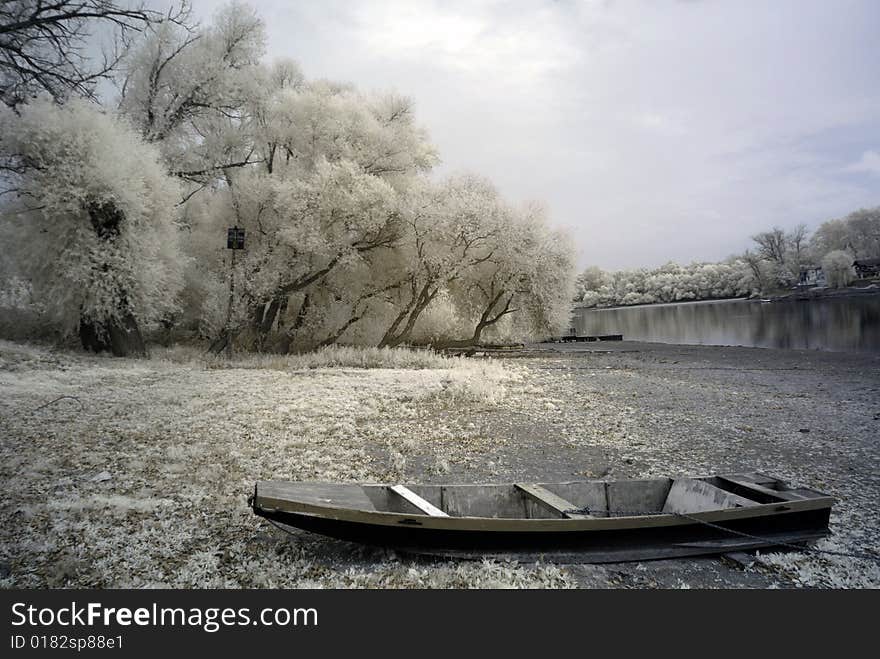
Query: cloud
x,y
868,163
654,131
467,38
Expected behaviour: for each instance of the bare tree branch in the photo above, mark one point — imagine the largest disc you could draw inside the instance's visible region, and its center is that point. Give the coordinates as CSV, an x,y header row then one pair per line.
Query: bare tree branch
x,y
43,44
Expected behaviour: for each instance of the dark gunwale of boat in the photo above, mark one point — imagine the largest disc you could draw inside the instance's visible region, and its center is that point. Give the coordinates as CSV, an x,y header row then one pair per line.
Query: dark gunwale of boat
x,y
673,517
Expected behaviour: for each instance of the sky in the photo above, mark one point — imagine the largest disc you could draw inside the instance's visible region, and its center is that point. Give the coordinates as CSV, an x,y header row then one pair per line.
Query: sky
x,y
652,130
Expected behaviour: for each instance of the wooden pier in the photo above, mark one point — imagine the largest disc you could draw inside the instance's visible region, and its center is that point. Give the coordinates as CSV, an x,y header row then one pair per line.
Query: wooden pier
x,y
600,337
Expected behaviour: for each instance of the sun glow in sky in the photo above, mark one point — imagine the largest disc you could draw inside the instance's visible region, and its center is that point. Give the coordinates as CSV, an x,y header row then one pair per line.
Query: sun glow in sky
x,y
654,131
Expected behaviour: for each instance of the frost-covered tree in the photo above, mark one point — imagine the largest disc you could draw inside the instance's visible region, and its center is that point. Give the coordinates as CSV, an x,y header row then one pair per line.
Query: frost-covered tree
x,y
190,91
775,247
672,282
798,255
526,279
838,268
44,44
449,229
858,233
833,235
331,219
588,283
864,230
333,164
772,245
94,215
301,124
347,238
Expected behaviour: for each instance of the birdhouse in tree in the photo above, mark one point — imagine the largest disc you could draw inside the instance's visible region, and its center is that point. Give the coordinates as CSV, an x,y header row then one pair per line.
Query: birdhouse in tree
x,y
234,238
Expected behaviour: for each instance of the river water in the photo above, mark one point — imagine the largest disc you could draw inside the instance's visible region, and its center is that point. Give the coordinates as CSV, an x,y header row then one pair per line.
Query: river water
x,y
837,324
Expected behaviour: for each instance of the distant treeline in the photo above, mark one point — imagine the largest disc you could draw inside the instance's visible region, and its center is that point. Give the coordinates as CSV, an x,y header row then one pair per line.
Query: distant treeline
x,y
776,262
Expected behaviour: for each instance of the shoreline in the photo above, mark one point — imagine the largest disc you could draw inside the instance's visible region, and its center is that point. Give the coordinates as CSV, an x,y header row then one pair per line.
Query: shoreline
x,y
628,345
666,304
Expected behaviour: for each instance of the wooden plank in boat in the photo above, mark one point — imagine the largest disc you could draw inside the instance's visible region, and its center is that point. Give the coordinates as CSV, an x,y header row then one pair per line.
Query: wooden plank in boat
x,y
272,493
747,481
584,494
757,478
552,501
425,506
689,495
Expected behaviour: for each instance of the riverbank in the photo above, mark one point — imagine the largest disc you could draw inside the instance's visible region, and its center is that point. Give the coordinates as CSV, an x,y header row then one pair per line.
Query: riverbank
x,y
141,478
777,296
808,294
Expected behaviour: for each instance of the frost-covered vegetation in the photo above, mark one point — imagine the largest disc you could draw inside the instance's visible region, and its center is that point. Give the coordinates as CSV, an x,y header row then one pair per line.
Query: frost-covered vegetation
x,y
775,263
327,357
147,485
838,268
668,283
139,475
90,220
114,216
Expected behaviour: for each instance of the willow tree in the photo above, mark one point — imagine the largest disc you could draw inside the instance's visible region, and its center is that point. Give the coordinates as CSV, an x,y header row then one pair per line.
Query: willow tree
x,y
450,228
527,280
189,90
332,167
838,268
94,214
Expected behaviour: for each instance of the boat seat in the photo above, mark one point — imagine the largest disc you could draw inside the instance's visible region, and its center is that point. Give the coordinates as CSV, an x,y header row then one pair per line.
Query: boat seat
x,y
279,494
752,483
425,506
550,500
691,495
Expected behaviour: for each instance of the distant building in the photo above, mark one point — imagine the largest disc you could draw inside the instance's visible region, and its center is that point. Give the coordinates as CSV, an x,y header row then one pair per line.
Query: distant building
x,y
812,276
867,268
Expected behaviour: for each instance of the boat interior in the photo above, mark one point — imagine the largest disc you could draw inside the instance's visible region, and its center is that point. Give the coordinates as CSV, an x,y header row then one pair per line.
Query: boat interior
x,y
576,499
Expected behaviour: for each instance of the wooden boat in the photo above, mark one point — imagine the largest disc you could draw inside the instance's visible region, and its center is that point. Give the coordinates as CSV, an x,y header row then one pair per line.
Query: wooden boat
x,y
588,521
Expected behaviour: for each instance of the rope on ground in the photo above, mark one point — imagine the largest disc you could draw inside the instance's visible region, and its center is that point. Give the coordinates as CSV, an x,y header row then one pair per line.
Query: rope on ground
x,y
52,402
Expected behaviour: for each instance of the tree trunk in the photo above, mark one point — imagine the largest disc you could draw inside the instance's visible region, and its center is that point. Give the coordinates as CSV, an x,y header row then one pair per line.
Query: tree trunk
x,y
411,313
390,333
219,344
282,311
92,336
335,336
464,343
121,337
262,319
126,339
287,339
270,316
486,320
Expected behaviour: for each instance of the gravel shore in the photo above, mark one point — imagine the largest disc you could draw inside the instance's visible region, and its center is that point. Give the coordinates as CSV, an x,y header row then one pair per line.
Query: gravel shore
x,y
644,409
139,477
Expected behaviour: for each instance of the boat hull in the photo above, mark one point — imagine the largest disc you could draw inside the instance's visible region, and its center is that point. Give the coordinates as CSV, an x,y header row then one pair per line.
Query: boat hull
x,y
639,538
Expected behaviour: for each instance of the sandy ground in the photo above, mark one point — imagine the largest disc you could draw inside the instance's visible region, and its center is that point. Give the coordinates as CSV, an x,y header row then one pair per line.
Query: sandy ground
x,y
141,477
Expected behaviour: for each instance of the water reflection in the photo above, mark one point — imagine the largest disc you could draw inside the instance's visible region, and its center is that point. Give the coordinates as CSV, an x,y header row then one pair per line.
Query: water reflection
x,y
843,324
